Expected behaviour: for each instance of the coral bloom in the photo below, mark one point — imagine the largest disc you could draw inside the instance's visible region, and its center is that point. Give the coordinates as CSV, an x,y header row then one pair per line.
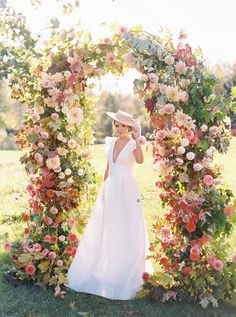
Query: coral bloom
x,y
50,193
218,265
191,227
228,210
30,269
208,180
7,246
26,218
186,270
164,260
194,256
72,237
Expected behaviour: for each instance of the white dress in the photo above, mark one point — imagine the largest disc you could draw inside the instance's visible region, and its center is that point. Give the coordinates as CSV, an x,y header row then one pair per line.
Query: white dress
x,y
110,259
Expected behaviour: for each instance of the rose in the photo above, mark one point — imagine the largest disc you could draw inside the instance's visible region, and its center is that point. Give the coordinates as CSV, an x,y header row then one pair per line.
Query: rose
x,y
161,134
72,237
30,269
208,180
228,210
53,210
180,68
213,130
54,116
153,78
71,222
110,57
68,171
7,246
184,142
204,128
189,134
145,276
180,150
169,108
179,161
183,96
191,227
169,60
218,265
52,255
59,262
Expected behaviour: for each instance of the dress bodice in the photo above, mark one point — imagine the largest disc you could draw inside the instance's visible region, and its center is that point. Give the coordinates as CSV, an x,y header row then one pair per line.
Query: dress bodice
x,y
125,159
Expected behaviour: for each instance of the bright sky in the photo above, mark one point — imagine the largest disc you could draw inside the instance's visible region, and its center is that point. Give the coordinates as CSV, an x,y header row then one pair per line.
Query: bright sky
x,y
210,24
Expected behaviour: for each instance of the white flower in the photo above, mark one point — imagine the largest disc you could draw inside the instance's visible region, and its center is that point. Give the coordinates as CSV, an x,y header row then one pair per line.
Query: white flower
x,y
70,180
67,74
58,77
80,172
204,127
180,150
190,156
67,171
61,175
53,162
62,151
169,60
39,109
72,143
185,142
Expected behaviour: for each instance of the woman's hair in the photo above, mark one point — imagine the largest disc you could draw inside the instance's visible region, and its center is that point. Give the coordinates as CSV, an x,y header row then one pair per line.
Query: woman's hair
x,y
114,130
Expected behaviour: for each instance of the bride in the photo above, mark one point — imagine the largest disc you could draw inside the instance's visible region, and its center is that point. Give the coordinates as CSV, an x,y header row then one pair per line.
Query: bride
x,y
110,259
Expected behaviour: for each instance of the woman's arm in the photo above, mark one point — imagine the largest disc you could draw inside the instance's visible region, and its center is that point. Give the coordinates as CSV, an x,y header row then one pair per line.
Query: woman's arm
x,y
106,172
138,153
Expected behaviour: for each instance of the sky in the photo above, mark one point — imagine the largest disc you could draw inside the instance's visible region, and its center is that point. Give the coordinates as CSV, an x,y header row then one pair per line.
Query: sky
x,y
210,24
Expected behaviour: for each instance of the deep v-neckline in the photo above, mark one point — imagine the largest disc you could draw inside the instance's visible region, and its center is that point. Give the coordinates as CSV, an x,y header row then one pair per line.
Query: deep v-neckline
x,y
112,152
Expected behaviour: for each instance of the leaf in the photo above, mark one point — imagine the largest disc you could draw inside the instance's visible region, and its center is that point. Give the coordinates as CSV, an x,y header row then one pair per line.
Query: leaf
x,y
43,266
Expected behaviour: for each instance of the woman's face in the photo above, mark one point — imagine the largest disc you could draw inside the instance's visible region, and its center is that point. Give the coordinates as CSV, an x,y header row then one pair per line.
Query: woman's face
x,y
121,129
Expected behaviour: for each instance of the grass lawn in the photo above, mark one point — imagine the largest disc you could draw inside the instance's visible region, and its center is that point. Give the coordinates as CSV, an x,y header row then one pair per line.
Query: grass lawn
x,y
22,299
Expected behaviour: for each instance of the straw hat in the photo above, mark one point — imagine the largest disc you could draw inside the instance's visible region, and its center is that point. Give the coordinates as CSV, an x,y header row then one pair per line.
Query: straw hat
x,y
122,117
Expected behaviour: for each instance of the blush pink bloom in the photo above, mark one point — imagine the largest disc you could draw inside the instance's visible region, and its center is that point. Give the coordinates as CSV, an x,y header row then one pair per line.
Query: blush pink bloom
x,y
62,238
197,167
183,96
228,210
160,134
44,135
59,262
53,210
169,108
47,238
7,246
123,29
208,180
48,221
110,57
107,40
179,161
211,260
234,258
38,158
52,255
142,140
180,68
213,130
153,77
37,247
218,265
189,134
175,131
30,269
54,116
35,117
71,222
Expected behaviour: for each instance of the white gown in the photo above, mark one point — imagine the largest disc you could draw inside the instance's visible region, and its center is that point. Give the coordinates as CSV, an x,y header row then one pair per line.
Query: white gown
x,y
110,259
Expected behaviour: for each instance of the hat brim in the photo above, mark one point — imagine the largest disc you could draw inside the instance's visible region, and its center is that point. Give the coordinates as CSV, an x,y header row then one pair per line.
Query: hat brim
x,y
114,117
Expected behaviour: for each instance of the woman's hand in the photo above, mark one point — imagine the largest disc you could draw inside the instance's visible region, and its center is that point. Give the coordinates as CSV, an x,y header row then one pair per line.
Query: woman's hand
x,y
137,130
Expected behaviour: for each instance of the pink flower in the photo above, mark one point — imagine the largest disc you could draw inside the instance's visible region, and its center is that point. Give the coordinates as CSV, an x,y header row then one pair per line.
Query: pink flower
x,y
38,158
189,134
175,131
153,77
62,238
54,116
7,246
228,210
218,265
30,269
30,188
48,221
183,96
53,210
213,129
71,222
45,252
180,68
59,262
197,167
169,108
37,247
72,237
161,134
208,180
211,260
52,255
123,29
35,117
47,238
107,40
234,258
110,57
44,135
179,161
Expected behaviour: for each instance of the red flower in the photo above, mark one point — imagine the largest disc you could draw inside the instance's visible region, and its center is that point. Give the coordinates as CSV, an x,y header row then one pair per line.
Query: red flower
x,y
30,269
194,256
50,193
191,227
69,249
186,270
58,219
164,260
145,276
26,218
53,239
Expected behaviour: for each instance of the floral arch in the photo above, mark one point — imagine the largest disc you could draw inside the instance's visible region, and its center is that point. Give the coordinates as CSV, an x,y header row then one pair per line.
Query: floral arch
x,y
189,125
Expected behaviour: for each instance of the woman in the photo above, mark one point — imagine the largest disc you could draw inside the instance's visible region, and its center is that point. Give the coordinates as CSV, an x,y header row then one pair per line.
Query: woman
x,y
110,259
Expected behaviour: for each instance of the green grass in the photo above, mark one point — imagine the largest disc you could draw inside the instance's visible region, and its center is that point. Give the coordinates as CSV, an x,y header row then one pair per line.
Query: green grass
x,y
23,299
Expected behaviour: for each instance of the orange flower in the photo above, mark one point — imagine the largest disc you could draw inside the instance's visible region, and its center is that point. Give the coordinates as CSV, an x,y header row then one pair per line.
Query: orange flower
x,y
72,237
191,227
26,218
194,256
164,260
50,193
58,219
